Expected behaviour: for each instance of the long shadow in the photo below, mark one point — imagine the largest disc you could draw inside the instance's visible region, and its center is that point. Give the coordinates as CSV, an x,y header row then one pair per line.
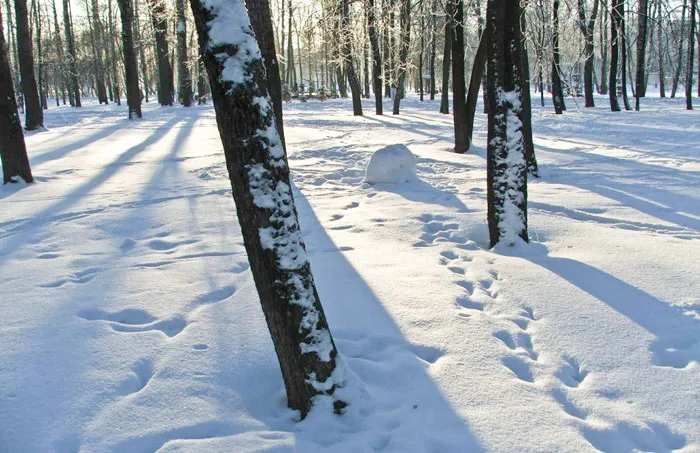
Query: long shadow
x,y
677,334
421,192
663,204
55,212
63,151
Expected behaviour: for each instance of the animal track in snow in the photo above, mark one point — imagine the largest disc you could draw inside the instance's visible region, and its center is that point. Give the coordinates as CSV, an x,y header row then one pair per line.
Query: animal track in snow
x,y
567,406
466,302
335,217
136,320
519,368
572,374
161,245
79,277
520,341
352,205
679,356
427,353
141,374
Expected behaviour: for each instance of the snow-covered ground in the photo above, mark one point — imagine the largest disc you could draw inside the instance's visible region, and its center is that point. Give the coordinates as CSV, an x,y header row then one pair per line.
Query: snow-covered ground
x,y
130,321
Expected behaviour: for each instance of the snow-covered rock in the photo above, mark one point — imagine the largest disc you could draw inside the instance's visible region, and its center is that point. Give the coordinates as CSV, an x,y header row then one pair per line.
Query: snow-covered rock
x,y
392,164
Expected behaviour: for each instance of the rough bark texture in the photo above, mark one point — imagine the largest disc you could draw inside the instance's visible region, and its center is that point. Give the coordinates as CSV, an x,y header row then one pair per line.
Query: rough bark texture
x,y
659,36
587,26
348,63
261,20
13,152
133,95
506,167
258,162
691,51
70,47
459,100
557,93
376,57
183,72
622,36
446,61
526,108
165,71
614,45
603,88
640,79
405,41
98,41
34,116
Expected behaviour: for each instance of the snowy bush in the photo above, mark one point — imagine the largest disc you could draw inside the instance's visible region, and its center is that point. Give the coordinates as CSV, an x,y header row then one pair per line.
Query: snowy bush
x,y
392,164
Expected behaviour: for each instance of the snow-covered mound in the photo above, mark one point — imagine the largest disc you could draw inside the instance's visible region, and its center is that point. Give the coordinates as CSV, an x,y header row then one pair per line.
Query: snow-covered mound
x,y
392,164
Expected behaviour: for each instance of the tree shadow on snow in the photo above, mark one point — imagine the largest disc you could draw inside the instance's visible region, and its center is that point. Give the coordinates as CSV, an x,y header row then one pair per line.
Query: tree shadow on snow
x,y
676,332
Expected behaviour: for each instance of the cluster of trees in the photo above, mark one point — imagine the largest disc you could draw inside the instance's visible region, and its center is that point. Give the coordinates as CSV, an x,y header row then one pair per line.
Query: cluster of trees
x,y
336,45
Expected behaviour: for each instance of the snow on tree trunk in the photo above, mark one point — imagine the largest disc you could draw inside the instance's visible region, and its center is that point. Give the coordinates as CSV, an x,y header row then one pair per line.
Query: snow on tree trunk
x,y
506,163
259,174
13,152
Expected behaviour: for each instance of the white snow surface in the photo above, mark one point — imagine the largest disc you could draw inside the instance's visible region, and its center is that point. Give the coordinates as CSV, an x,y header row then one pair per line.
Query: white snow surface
x,y
131,322
393,164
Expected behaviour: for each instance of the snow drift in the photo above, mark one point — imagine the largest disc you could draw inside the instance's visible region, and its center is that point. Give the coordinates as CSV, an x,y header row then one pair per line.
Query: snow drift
x,y
392,164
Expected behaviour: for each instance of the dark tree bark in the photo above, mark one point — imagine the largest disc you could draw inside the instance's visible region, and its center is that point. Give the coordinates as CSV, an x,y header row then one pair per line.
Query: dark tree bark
x,y
525,114
405,41
506,165
41,79
13,152
477,74
72,60
433,50
133,94
679,65
63,80
98,40
259,176
261,20
421,52
640,80
184,78
165,71
376,57
459,105
291,68
691,51
557,93
446,61
113,58
587,27
348,65
142,53
614,52
659,36
603,88
622,35
34,116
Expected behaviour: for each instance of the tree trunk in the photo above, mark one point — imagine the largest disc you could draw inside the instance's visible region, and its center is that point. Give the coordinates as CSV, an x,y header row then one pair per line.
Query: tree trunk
x,y
184,78
691,52
261,20
477,74
622,33
446,61
660,47
640,80
113,58
39,55
405,41
34,116
165,71
433,50
525,114
74,86
603,89
13,152
614,44
421,52
557,93
133,95
459,105
587,27
348,64
376,57
506,165
259,174
95,28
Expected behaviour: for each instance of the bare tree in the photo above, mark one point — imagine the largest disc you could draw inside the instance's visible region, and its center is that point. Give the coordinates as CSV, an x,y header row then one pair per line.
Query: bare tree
x,y
34,116
259,174
587,27
133,94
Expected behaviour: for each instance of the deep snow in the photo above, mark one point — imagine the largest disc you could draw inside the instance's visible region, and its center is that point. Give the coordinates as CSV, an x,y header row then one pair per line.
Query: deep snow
x,y
131,324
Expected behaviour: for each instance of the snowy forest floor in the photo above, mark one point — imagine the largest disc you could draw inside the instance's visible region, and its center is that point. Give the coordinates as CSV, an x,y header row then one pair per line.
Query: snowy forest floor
x,y
131,323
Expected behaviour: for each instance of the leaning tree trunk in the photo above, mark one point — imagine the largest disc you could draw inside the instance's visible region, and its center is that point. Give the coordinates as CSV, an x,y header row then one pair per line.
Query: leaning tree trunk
x,y
446,61
640,79
474,84
506,165
614,53
557,93
459,105
405,42
691,51
261,20
133,94
13,152
346,51
184,78
34,116
587,27
376,57
259,175
165,71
